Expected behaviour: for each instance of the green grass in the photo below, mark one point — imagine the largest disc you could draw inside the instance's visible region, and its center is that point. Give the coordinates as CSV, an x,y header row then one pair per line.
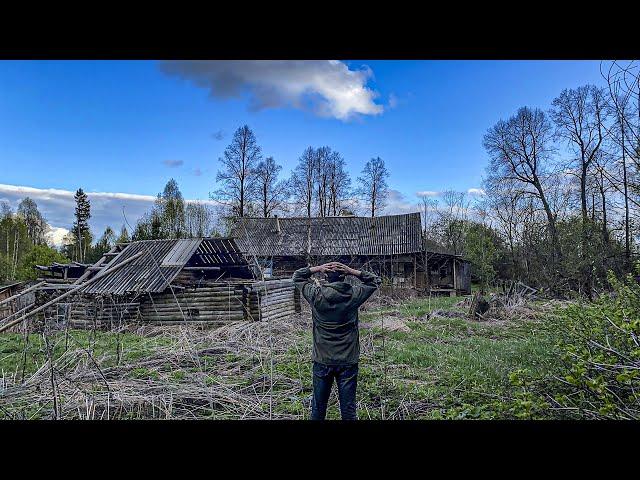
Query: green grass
x,y
452,365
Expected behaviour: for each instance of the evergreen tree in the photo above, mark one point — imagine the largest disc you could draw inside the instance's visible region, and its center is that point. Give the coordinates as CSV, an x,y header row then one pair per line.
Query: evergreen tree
x,y
124,235
102,246
81,230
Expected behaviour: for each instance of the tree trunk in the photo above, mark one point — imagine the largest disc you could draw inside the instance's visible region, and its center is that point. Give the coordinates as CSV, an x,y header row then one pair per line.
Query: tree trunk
x,y
551,221
627,248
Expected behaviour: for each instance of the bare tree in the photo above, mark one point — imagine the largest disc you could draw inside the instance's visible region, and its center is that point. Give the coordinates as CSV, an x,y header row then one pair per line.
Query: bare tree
x,y
237,175
519,150
452,219
428,207
199,220
504,205
579,116
339,184
303,180
373,185
623,81
322,167
272,193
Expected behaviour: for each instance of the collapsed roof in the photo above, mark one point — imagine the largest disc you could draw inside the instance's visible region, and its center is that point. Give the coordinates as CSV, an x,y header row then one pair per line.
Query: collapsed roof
x,y
161,262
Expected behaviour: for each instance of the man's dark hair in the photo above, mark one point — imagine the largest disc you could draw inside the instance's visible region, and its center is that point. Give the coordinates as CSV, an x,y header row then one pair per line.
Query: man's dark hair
x,y
335,277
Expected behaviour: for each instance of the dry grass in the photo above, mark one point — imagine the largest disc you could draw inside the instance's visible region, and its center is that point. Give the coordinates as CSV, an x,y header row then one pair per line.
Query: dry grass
x,y
223,372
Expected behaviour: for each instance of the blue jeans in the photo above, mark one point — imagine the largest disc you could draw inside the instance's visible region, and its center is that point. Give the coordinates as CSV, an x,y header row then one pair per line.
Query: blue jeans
x,y
346,378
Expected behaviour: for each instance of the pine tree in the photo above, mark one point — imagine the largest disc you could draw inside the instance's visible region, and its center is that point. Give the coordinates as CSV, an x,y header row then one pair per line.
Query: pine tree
x,y
81,225
124,235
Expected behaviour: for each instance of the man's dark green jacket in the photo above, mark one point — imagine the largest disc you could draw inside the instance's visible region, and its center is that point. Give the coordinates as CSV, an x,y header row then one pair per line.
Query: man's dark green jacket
x,y
334,308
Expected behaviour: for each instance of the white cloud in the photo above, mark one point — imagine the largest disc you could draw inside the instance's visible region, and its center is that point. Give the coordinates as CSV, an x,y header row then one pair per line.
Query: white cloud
x,y
328,87
394,101
427,193
56,235
398,203
476,191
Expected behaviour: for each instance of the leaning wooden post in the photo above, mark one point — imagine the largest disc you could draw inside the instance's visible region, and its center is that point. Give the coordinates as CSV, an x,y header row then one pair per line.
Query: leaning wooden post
x,y
33,287
91,269
455,289
73,290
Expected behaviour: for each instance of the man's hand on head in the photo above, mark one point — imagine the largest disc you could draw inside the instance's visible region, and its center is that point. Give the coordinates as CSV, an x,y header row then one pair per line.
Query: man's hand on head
x,y
324,268
342,268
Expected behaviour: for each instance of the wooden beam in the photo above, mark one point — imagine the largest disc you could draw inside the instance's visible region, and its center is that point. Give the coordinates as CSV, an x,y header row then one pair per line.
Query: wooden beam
x,y
455,287
202,268
33,287
88,271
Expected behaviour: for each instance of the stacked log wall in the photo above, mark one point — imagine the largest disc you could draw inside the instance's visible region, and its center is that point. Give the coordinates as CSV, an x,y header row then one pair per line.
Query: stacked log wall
x,y
214,302
272,299
87,311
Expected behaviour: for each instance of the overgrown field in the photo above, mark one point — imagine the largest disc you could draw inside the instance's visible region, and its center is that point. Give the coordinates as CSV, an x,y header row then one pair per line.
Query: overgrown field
x,y
420,359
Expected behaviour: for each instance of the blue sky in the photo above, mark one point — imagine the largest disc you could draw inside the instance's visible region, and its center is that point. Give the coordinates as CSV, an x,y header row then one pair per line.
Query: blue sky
x,y
116,126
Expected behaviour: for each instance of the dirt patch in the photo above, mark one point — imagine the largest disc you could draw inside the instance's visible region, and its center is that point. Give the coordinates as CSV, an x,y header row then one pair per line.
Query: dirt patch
x,y
389,324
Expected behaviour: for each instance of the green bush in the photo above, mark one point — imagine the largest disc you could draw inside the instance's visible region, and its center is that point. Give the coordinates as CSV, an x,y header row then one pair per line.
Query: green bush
x,y
601,354
38,255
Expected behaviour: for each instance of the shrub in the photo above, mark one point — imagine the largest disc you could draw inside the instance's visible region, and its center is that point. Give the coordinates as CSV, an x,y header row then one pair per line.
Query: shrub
x,y
601,354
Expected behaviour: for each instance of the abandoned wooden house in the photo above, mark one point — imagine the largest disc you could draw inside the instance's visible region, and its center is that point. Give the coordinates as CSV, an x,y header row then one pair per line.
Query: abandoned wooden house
x,y
195,280
391,246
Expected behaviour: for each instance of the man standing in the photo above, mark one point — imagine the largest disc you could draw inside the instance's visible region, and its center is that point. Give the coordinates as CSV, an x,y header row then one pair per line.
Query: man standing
x,y
336,345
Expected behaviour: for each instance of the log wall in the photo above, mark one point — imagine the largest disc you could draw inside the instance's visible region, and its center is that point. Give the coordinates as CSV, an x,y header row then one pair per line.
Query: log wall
x,y
214,302
87,311
272,299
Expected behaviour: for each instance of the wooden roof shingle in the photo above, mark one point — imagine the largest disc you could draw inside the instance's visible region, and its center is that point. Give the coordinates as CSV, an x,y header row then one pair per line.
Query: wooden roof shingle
x,y
329,236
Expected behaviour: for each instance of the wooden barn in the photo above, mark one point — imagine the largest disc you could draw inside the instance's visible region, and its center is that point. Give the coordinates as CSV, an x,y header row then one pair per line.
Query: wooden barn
x,y
192,280
391,246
